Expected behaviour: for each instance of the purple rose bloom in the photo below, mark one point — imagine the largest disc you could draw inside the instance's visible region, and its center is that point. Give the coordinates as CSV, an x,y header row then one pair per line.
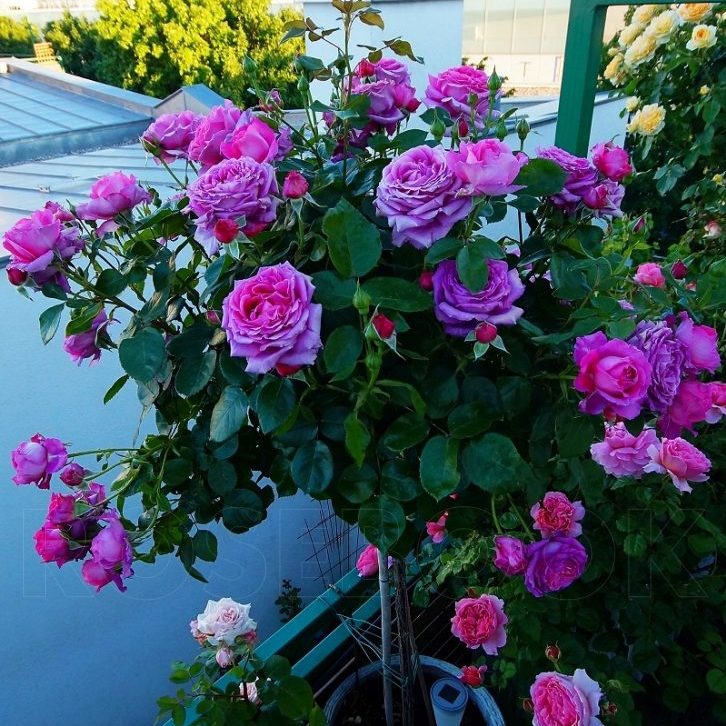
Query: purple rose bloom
x,y
73,475
39,244
581,177
111,555
232,189
487,167
701,342
667,356
84,345
250,137
418,194
621,454
461,310
455,88
553,564
111,195
52,545
605,198
169,136
34,461
510,555
271,320
211,132
390,69
285,143
60,508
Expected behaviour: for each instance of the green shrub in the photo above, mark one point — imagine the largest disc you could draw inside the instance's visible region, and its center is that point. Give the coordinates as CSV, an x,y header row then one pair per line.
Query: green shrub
x,y
17,36
75,42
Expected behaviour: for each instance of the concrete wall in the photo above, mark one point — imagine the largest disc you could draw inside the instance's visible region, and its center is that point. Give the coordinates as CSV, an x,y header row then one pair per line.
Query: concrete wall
x,y
73,657
433,27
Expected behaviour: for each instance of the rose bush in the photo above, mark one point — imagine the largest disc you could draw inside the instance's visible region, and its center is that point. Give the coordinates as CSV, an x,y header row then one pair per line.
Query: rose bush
x,y
511,413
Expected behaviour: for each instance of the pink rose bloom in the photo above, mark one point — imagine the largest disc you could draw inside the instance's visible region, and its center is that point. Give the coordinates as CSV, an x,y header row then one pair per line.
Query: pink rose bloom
x,y
211,133
712,229
34,461
295,185
271,320
557,515
233,189
169,136
718,402
690,406
52,545
581,177
611,161
39,244
452,90
224,657
73,475
437,530
479,623
111,195
560,700
60,508
553,564
650,274
390,101
621,454
613,374
367,562
701,343
486,167
84,345
605,198
510,555
420,197
682,461
111,553
472,676
250,137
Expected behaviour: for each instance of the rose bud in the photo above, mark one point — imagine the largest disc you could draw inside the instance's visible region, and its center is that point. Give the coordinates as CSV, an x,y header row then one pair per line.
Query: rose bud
x,y
224,657
472,676
553,653
485,332
365,69
213,317
679,270
412,105
463,128
15,276
610,709
426,280
286,370
73,475
225,230
385,327
528,705
295,185
639,224
712,229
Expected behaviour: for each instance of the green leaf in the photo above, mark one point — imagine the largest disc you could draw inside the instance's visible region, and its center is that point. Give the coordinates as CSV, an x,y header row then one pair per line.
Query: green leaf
x,y
143,355
472,268
342,350
115,388
312,467
397,482
179,714
332,292
294,697
396,294
242,509
541,177
111,282
471,419
192,341
494,464
228,414
445,249
405,432
317,717
277,667
357,484
221,477
439,466
274,403
716,679
194,373
354,243
357,438
382,521
370,18
49,321
574,433
82,322
205,545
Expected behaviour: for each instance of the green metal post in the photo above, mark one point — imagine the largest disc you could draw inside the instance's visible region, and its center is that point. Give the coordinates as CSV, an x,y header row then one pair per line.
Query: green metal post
x,y
585,29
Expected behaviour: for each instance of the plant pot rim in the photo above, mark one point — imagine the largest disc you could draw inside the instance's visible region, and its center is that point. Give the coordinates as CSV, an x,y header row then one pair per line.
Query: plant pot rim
x,y
480,697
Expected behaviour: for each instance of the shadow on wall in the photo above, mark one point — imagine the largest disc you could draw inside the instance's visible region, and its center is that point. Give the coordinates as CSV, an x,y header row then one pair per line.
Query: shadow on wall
x,y
60,633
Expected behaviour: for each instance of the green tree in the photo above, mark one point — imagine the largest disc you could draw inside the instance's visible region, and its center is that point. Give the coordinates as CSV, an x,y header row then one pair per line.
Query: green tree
x,y
17,36
156,46
75,42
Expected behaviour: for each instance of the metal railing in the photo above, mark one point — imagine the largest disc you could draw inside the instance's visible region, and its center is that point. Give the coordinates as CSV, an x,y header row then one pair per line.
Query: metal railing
x,y
583,48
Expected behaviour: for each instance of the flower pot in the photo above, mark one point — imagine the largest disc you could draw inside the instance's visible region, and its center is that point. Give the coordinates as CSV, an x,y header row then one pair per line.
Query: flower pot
x,y
479,698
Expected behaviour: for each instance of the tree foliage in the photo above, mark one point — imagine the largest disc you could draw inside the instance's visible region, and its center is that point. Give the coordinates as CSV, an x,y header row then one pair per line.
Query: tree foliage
x,y
17,36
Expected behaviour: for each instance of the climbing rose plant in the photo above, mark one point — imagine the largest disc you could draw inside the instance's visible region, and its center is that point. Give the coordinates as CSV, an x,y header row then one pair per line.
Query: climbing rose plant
x,y
340,308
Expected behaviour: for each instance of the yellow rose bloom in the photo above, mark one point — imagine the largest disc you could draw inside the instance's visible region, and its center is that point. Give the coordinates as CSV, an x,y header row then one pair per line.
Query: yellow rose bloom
x,y
704,90
644,13
628,34
642,50
694,12
632,103
717,179
614,71
649,121
703,36
663,26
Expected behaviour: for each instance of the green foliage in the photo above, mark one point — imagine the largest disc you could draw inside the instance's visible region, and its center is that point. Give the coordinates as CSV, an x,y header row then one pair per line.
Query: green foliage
x,y
17,36
76,43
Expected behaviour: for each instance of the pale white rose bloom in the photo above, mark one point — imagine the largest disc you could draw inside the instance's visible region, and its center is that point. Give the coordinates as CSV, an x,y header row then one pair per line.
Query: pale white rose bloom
x,y
224,620
662,26
703,36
